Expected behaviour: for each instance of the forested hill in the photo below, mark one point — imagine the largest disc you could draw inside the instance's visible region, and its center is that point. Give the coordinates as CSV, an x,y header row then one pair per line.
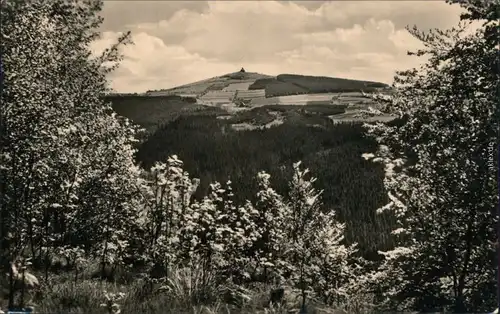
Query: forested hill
x,y
212,151
280,85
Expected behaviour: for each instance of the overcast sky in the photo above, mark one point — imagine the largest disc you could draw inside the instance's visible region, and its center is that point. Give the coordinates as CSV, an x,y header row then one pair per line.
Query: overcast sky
x,y
178,42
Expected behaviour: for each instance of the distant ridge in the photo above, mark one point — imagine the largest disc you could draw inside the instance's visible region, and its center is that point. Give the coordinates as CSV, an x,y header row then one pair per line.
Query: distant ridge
x,y
295,96
280,85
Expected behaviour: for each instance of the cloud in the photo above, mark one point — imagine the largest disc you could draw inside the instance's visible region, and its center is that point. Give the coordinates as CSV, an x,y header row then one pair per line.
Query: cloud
x,y
426,14
151,64
359,40
119,16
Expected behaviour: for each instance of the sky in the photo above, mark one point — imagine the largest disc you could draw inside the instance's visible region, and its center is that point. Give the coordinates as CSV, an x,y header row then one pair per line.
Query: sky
x,y
180,42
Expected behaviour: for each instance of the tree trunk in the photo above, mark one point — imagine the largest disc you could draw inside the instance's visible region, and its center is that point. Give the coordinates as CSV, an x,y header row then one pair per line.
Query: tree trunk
x,y
23,288
11,288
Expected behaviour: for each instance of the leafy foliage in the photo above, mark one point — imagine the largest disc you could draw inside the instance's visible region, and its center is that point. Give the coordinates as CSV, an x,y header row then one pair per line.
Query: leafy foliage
x,y
239,242
439,175
67,160
352,186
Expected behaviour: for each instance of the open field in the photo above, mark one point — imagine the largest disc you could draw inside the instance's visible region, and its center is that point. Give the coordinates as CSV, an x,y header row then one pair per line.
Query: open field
x,y
263,101
245,76
251,94
194,88
241,81
281,85
150,111
238,86
301,100
217,97
248,127
217,86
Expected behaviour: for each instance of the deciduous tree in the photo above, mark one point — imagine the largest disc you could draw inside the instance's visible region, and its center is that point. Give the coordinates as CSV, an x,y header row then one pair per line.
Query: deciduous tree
x,y
438,171
68,175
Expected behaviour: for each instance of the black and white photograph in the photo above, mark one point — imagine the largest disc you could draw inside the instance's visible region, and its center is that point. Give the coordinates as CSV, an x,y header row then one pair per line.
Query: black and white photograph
x,y
240,157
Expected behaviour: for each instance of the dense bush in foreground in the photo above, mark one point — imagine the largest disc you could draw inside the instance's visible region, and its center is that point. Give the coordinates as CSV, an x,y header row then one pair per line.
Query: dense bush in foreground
x,y
212,151
441,173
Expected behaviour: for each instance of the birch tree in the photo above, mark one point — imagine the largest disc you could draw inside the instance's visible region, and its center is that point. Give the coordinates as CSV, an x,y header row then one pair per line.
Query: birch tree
x,y
67,167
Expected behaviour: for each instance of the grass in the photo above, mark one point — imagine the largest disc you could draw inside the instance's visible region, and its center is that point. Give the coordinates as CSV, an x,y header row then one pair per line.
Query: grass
x,y
218,86
281,85
150,112
181,292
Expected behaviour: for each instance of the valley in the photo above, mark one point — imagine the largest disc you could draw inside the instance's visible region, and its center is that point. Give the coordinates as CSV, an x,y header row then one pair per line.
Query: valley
x,y
239,94
224,131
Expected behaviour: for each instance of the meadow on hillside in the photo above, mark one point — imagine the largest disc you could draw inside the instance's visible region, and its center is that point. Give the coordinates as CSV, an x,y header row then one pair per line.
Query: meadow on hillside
x,y
281,85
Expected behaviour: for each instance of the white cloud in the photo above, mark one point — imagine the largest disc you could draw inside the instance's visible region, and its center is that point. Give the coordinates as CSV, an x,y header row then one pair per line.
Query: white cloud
x,y
151,64
425,14
272,38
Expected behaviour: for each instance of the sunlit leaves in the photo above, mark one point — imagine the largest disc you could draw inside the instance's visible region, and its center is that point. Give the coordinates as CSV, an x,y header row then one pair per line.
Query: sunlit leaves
x,y
69,171
439,185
